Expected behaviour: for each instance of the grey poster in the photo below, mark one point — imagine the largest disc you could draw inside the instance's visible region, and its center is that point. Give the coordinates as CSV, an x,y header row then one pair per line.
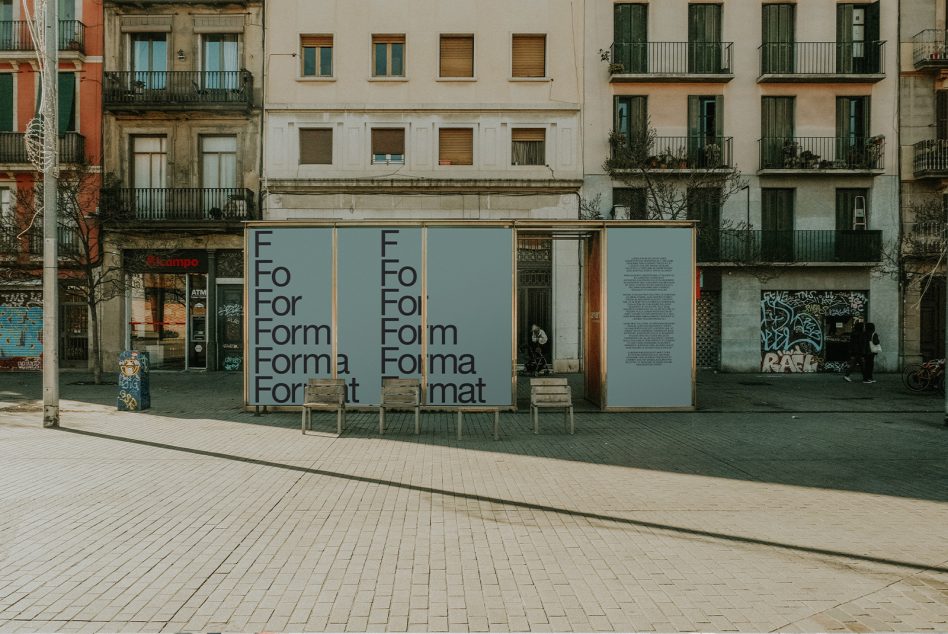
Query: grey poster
x,y
378,295
290,312
650,282
469,315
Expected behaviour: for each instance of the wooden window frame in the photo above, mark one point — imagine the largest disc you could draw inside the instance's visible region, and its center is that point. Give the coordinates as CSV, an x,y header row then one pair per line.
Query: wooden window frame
x,y
316,129
388,39
546,71
318,41
466,36
455,164
388,160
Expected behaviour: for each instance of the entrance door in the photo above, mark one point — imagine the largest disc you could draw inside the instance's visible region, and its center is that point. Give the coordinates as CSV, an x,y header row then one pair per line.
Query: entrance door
x,y
534,292
230,326
932,321
74,329
592,319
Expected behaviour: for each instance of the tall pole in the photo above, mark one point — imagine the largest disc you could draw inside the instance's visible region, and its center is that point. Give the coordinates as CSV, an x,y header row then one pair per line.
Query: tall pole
x,y
50,242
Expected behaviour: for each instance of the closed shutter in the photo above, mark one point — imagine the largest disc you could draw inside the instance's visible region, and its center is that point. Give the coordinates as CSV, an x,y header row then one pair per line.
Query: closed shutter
x,y
6,102
457,55
456,146
529,56
777,209
316,147
317,40
873,52
941,114
778,37
388,141
528,134
67,102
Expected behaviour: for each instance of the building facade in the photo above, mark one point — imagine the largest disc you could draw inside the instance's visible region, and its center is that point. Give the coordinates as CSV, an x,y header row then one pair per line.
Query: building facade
x,y
431,110
923,121
801,98
181,127
78,80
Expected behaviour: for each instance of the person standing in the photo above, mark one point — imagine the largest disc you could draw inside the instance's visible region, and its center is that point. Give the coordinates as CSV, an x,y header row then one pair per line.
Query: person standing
x,y
871,348
856,340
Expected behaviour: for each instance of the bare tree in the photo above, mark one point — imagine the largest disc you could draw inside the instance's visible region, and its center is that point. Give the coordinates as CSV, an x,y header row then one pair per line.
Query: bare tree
x,y
919,257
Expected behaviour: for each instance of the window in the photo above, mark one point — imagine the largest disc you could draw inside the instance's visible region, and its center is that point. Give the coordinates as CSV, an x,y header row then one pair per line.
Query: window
x,y
528,146
457,56
456,146
7,31
149,59
149,158
388,146
630,34
388,55
704,39
7,227
316,146
778,50
777,145
221,68
66,96
705,132
857,35
631,121
316,55
6,102
629,203
529,56
941,114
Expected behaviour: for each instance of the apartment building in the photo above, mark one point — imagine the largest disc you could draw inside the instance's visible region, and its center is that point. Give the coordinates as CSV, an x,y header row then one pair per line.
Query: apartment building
x,y
181,127
79,106
425,109
800,97
923,121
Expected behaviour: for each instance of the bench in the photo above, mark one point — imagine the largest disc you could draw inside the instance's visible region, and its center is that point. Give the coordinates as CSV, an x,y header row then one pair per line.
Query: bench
x,y
551,394
326,395
464,410
403,394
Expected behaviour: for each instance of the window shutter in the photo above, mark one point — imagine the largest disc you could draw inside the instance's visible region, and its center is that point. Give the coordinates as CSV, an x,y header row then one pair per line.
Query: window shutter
x,y
457,55
67,102
456,145
388,141
316,147
6,102
316,40
528,134
529,56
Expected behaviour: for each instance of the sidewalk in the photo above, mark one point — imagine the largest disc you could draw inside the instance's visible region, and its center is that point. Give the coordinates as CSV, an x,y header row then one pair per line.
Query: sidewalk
x,y
788,503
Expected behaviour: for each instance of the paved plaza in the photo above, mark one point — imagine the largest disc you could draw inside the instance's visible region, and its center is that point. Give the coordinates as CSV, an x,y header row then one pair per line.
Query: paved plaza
x,y
790,503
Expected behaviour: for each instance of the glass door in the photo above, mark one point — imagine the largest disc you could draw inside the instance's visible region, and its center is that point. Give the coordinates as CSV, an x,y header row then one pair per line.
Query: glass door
x,y
230,326
149,164
219,176
219,55
149,61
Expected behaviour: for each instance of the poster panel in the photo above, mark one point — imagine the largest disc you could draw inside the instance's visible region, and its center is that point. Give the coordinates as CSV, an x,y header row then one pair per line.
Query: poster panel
x,y
649,317
378,294
289,310
470,329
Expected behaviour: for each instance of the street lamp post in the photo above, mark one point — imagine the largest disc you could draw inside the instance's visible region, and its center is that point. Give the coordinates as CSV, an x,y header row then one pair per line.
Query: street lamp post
x,y
50,241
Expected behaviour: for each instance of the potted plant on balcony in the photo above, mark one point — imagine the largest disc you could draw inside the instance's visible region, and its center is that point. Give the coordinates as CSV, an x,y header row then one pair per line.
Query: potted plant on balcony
x,y
809,160
73,45
616,68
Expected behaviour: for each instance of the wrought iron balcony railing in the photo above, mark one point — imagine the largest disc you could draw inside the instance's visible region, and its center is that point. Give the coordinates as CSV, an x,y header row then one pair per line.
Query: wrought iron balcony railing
x,y
829,61
632,61
924,238
930,158
750,247
672,153
72,148
928,49
68,239
15,36
174,89
860,154
178,204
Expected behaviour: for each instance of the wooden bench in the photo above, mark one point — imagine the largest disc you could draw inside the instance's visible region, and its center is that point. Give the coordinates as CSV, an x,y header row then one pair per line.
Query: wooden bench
x,y
326,395
551,394
464,410
403,394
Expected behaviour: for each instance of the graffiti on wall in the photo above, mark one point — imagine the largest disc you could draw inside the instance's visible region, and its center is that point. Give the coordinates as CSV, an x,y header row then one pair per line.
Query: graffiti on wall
x,y
807,331
21,330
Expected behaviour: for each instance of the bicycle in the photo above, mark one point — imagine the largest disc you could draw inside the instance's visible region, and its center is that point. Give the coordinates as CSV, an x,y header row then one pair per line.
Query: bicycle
x,y
929,375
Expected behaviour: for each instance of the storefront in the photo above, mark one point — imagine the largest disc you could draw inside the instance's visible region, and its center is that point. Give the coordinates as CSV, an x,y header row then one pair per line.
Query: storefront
x,y
182,311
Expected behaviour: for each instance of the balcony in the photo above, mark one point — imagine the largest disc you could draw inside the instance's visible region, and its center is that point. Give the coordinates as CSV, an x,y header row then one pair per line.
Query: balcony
x,y
930,158
928,50
809,62
72,148
822,155
15,36
177,90
924,239
10,243
184,206
670,62
801,246
672,154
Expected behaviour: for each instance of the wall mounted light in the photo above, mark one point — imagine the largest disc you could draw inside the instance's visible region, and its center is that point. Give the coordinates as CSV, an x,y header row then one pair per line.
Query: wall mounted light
x,y
180,54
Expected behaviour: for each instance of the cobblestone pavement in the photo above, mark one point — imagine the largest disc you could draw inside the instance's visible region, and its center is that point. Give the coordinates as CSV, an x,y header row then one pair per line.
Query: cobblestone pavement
x,y
779,507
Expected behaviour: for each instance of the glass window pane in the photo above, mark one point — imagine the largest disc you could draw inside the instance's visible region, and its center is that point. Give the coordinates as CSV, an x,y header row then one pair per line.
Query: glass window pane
x,y
6,10
381,60
309,61
325,61
398,53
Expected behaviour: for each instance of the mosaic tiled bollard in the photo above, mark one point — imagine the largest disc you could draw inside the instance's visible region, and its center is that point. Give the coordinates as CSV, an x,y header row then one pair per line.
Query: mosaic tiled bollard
x,y
134,391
